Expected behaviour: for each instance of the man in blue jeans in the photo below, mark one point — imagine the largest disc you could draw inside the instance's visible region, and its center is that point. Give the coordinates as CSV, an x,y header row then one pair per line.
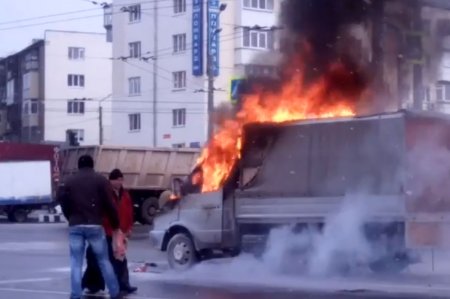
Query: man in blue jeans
x,y
85,198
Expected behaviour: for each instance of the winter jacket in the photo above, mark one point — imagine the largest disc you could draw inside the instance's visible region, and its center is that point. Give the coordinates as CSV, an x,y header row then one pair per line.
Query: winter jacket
x,y
86,197
124,207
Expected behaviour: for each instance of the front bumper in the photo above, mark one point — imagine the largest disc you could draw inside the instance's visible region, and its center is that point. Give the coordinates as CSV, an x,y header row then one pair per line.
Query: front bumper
x,y
156,239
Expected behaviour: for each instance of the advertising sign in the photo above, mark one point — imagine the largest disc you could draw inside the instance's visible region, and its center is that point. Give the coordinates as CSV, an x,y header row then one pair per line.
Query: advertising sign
x,y
197,38
213,36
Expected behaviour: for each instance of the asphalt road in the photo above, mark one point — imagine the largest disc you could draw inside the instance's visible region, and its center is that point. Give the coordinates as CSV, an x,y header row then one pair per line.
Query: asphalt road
x,y
34,264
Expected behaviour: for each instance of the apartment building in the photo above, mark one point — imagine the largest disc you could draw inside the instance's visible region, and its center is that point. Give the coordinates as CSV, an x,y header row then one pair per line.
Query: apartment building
x,y
159,69
56,86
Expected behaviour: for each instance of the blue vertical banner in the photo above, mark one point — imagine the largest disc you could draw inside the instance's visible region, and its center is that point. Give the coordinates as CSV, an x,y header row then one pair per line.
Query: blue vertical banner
x,y
197,38
213,35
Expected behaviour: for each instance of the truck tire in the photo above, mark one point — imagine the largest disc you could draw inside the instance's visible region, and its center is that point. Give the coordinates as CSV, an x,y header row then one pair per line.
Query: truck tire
x,y
149,208
393,264
18,215
181,252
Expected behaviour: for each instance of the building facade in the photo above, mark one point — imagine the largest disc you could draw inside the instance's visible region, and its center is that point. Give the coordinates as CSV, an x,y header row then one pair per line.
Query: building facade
x,y
160,53
56,86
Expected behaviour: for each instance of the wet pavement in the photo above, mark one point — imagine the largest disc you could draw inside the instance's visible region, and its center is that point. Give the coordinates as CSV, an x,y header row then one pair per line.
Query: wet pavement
x,y
34,264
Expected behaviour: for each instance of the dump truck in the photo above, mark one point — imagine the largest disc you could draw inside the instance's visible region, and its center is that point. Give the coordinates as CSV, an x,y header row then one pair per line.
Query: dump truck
x,y
148,172
299,174
31,160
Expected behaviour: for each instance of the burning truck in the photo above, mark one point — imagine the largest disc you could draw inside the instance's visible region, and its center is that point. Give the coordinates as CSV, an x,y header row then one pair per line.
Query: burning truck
x,y
298,174
302,146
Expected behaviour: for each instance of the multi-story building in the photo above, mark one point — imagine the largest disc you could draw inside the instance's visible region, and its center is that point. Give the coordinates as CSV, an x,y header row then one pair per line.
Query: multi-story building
x,y
57,85
159,69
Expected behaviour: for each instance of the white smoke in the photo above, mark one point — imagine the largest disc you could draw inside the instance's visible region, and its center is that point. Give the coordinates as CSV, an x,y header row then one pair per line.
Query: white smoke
x,y
340,244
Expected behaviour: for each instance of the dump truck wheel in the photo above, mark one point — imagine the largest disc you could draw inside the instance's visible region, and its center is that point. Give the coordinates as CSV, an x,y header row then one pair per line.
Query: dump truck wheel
x,y
181,252
149,209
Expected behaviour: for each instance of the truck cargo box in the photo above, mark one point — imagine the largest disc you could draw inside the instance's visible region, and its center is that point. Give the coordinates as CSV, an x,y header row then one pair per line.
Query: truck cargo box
x,y
25,183
143,168
32,152
303,170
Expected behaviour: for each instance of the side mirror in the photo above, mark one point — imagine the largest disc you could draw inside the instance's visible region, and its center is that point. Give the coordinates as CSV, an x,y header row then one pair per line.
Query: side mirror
x,y
176,187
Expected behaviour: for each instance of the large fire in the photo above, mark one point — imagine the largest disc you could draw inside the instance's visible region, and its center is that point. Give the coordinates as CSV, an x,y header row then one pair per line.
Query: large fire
x,y
295,101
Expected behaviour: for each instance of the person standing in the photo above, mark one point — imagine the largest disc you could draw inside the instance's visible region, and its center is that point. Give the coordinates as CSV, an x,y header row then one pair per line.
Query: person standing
x,y
91,279
84,198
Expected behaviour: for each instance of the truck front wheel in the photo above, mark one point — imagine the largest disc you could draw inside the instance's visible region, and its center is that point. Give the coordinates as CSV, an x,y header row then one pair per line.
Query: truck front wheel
x,y
17,215
181,252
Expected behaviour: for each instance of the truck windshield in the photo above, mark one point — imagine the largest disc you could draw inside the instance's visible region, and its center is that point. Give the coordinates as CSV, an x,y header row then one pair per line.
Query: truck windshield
x,y
193,183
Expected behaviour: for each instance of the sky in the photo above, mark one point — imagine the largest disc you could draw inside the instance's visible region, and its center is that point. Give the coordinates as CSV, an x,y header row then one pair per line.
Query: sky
x,y
13,37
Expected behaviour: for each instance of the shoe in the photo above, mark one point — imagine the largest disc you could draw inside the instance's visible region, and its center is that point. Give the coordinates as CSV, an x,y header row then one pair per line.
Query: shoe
x,y
92,291
129,290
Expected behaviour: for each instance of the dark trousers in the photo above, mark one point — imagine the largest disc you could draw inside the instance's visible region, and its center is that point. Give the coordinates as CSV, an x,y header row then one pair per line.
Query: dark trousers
x,y
93,279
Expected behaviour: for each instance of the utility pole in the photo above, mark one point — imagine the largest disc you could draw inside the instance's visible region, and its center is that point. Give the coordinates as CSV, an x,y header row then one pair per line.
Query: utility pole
x,y
418,54
210,63
155,74
100,124
210,73
100,120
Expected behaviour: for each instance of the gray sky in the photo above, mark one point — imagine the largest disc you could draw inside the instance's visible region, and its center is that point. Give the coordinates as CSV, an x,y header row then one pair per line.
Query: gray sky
x,y
14,39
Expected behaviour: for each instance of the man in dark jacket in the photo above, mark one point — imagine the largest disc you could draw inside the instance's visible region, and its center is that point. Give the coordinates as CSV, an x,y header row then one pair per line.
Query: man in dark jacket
x,y
85,198
91,279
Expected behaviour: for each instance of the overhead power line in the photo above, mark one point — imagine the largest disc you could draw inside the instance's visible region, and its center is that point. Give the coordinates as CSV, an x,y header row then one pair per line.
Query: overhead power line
x,y
76,18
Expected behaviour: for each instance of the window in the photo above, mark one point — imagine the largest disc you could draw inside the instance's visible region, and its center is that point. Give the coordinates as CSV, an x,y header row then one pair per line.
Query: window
x,y
260,70
78,134
258,39
135,49
179,43
134,86
443,91
135,121
31,62
30,106
259,4
75,106
179,145
134,13
179,79
179,117
76,53
26,81
34,108
179,6
194,144
75,80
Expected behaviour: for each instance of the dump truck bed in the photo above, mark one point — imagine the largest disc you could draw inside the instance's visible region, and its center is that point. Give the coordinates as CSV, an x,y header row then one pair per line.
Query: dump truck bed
x,y
143,168
397,164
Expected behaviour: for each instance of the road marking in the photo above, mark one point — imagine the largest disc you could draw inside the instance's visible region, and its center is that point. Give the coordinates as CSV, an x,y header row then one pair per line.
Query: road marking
x,y
27,246
50,292
26,280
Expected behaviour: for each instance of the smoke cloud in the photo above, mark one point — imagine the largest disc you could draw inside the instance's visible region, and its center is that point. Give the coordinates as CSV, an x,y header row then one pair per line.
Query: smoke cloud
x,y
340,248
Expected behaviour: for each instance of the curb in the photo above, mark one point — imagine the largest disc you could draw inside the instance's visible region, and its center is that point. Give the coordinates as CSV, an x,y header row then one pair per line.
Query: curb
x,y
51,219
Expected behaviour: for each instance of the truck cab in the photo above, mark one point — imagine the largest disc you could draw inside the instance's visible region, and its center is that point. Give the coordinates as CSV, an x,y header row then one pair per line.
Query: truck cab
x,y
190,227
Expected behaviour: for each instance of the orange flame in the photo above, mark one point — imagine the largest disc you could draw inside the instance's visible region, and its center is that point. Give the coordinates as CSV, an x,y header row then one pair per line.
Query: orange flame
x,y
293,102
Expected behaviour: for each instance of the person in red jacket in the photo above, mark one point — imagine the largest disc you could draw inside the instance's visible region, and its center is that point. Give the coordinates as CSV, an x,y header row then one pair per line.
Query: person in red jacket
x,y
91,279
